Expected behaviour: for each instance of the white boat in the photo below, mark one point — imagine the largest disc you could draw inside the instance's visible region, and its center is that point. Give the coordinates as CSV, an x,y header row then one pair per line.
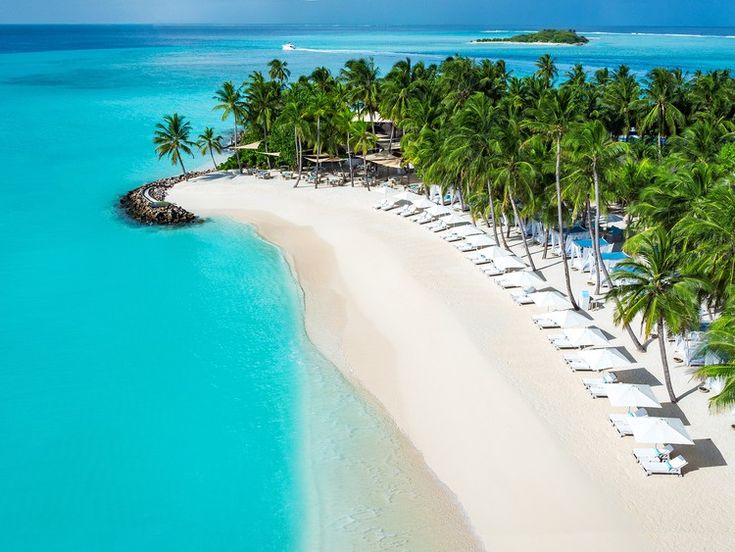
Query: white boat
x,y
288,46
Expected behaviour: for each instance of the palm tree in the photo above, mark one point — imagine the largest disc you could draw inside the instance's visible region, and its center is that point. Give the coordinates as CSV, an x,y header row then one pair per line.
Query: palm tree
x,y
278,71
210,143
361,77
172,139
363,140
320,105
656,289
263,102
621,98
546,69
292,115
231,103
556,112
659,96
594,150
720,341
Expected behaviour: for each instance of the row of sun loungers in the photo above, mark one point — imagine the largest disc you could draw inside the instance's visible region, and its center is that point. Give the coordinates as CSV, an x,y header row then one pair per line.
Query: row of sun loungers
x,y
576,330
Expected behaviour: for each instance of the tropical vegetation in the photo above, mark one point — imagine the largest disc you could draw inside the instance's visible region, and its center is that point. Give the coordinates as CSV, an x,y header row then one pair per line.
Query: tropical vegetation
x,y
557,149
547,36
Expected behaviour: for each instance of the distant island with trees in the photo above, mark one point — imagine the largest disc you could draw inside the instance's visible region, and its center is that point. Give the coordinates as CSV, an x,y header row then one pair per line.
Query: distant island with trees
x,y
547,36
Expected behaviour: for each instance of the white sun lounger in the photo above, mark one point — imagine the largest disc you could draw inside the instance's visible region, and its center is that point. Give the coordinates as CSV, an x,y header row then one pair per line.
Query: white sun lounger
x,y
653,454
409,211
620,421
667,467
424,218
609,377
560,341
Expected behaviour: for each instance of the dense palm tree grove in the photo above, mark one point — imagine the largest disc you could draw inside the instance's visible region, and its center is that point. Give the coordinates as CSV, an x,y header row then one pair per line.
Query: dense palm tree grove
x,y
546,147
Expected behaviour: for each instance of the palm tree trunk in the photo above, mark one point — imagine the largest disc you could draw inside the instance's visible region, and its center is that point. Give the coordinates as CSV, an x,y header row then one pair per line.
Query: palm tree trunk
x,y
211,153
546,242
596,242
560,216
298,155
492,212
349,160
318,157
265,141
523,230
237,151
183,170
664,361
364,155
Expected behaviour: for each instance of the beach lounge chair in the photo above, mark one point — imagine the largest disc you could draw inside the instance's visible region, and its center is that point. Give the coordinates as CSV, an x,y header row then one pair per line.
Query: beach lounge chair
x,y
609,377
576,363
667,467
597,391
653,454
621,421
409,211
491,270
480,259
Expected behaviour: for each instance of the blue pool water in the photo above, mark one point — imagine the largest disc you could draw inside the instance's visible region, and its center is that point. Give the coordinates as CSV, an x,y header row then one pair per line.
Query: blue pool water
x,y
151,379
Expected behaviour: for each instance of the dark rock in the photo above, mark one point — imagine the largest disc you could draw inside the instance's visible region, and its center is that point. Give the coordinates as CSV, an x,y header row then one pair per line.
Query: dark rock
x,y
147,204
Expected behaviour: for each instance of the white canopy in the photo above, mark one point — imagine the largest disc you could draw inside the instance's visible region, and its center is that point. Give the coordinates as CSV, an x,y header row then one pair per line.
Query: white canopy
x,y
496,252
564,318
602,359
423,203
585,337
524,280
626,394
508,262
406,196
438,211
659,430
480,240
468,230
551,299
455,220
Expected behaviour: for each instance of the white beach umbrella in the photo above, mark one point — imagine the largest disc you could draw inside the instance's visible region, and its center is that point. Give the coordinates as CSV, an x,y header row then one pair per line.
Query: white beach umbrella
x,y
553,300
566,318
648,429
438,211
496,252
467,230
603,359
423,203
510,262
525,280
626,394
405,196
455,220
479,240
585,337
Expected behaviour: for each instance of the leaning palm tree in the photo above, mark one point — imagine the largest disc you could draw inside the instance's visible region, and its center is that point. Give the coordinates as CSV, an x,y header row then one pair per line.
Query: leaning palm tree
x,y
720,342
172,139
231,104
654,287
363,140
209,143
555,113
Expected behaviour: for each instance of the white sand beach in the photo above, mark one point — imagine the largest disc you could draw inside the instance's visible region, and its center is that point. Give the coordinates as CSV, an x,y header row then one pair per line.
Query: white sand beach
x,y
478,390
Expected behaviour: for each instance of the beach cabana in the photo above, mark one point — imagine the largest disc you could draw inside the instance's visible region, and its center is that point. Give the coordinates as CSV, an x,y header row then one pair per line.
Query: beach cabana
x,y
597,360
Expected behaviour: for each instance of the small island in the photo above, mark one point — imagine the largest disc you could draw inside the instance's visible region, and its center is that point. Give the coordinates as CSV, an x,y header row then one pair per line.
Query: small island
x,y
547,36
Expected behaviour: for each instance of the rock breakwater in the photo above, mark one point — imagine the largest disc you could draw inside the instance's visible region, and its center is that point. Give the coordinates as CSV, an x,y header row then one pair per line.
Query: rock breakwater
x,y
147,204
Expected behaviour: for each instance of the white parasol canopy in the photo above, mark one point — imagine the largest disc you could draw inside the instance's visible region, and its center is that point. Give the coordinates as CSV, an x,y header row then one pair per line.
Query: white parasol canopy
x,y
602,359
405,196
564,318
524,280
585,337
438,211
553,300
423,203
454,220
659,430
508,262
626,394
468,230
479,240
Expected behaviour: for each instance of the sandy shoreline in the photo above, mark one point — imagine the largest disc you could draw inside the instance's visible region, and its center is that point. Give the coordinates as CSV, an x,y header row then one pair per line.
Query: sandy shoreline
x,y
475,387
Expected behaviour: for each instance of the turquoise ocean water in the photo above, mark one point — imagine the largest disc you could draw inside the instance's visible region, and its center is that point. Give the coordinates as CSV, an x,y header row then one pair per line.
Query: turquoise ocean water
x,y
151,380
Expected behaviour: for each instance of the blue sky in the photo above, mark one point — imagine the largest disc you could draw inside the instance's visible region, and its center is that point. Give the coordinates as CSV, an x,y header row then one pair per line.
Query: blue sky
x,y
571,13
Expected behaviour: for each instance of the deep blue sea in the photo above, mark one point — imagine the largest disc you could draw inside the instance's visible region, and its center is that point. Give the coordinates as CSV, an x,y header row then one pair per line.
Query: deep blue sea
x,y
152,380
